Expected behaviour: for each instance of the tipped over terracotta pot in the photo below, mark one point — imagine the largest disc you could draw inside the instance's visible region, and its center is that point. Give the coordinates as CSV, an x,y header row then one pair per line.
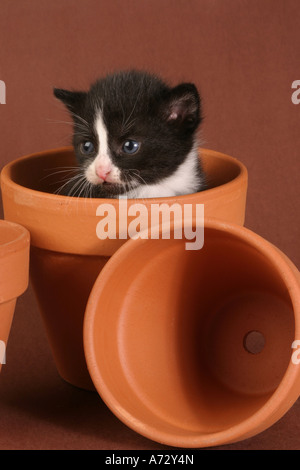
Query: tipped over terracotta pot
x,y
195,348
14,272
67,255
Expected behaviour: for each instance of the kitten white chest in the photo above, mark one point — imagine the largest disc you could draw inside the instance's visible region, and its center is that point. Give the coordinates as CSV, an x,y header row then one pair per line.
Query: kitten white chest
x,y
185,180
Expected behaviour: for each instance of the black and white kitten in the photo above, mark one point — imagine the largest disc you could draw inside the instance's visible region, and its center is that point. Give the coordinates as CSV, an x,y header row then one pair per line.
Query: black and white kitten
x,y
135,136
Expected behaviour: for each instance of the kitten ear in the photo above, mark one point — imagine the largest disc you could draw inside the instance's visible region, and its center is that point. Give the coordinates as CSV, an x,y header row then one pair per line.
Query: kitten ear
x,y
71,99
183,107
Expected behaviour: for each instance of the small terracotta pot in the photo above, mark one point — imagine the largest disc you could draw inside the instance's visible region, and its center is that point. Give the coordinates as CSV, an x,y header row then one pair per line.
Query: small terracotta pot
x,y
14,269
67,256
194,349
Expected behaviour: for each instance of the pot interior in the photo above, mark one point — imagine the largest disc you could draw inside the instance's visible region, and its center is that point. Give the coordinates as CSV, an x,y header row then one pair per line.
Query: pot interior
x,y
190,342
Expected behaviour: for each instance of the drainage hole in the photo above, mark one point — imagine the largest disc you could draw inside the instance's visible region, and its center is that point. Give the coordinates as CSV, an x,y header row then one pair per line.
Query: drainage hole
x,y
254,342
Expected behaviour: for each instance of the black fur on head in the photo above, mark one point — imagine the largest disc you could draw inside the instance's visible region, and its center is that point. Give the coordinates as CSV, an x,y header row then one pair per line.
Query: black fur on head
x,y
140,106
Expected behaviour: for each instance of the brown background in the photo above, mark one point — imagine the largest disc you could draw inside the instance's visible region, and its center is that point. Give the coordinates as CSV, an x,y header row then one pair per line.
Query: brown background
x,y
243,55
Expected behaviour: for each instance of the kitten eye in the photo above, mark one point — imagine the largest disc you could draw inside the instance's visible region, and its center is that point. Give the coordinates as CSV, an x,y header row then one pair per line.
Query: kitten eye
x,y
87,147
130,146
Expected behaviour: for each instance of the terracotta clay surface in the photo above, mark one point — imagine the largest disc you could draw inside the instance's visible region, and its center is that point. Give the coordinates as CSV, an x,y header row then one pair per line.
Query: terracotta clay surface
x,y
68,225
174,353
244,57
67,256
14,270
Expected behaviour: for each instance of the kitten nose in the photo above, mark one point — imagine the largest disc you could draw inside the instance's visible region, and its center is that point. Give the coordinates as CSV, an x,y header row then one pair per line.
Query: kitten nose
x,y
103,173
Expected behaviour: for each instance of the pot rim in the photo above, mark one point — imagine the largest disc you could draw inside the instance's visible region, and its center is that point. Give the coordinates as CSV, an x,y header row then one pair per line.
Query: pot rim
x,y
55,199
268,414
19,238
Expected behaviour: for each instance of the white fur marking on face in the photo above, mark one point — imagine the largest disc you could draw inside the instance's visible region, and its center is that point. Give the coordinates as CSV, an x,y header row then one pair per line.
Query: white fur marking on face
x,y
102,134
102,164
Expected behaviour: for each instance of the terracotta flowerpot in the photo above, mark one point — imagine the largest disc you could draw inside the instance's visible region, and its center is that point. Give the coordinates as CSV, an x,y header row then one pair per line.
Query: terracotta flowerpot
x,y
194,348
14,269
67,256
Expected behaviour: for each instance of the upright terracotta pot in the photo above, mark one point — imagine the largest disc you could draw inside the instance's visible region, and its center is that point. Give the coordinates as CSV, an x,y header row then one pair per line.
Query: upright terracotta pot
x,y
14,270
196,348
67,256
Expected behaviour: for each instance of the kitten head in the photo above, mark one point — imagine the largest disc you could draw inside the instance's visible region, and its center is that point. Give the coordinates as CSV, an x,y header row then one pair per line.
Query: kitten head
x,y
131,129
